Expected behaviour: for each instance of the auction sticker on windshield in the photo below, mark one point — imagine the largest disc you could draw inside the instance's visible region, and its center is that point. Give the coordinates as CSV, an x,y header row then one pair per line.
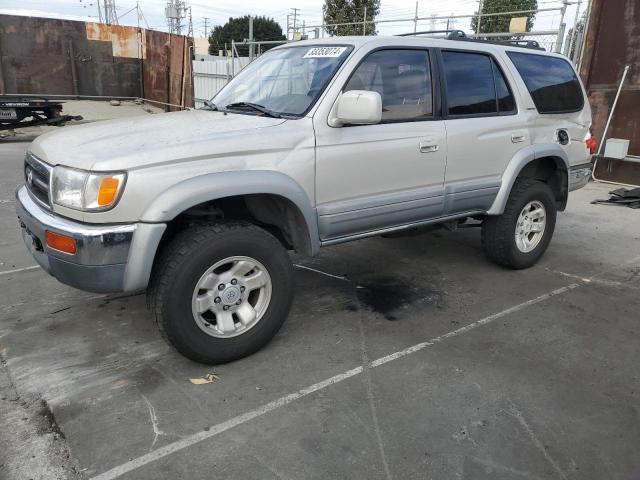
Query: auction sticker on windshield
x,y
324,52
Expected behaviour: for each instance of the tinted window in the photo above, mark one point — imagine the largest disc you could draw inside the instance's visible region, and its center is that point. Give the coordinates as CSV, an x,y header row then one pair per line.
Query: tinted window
x,y
506,103
403,80
470,85
551,81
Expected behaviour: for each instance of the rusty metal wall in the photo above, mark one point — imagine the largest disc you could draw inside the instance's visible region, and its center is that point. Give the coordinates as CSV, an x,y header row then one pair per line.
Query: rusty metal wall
x,y
63,57
168,72
613,41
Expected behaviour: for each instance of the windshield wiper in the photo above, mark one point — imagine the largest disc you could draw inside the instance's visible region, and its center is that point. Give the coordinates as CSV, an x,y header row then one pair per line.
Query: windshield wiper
x,y
253,106
210,105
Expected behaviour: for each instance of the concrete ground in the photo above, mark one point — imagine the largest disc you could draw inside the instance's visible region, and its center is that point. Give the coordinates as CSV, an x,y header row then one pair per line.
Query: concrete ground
x,y
89,110
416,358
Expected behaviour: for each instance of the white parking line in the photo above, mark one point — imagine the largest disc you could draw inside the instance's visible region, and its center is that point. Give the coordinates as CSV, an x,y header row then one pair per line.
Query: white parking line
x,y
280,402
18,270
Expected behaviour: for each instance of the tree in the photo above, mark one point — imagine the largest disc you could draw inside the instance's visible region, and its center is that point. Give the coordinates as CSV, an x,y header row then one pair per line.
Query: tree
x,y
350,11
237,29
500,23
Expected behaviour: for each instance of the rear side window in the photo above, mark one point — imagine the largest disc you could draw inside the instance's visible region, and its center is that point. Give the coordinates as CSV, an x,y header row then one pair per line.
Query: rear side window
x,y
551,81
403,80
475,85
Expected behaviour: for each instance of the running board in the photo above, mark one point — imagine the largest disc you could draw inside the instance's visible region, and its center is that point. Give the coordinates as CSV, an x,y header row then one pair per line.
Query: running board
x,y
374,233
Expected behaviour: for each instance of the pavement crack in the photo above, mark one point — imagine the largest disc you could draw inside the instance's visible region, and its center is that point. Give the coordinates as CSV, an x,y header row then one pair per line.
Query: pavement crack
x,y
154,422
517,414
366,374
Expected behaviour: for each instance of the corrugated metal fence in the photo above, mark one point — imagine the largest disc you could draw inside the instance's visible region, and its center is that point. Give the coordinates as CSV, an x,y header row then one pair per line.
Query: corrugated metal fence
x,y
45,56
613,41
212,73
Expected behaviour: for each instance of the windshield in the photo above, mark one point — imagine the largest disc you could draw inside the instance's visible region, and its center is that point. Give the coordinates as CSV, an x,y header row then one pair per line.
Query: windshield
x,y
284,81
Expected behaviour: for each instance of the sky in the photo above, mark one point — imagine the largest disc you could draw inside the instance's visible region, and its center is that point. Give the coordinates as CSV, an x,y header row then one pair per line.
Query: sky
x,y
310,12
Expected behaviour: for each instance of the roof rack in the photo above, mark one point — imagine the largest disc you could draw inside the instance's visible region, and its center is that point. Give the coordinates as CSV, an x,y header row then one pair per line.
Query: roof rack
x,y
451,34
463,37
521,43
532,44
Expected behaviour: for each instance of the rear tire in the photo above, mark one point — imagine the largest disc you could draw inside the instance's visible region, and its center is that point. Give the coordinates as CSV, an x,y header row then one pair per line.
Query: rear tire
x,y
519,237
221,292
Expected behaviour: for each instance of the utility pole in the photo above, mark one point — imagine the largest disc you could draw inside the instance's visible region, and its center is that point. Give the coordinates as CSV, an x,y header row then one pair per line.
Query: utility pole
x,y
415,20
432,21
251,50
451,22
206,26
295,19
561,27
479,16
364,22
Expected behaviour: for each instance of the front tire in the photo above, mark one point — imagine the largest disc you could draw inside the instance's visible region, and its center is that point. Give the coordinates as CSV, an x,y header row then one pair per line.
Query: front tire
x,y
221,292
519,237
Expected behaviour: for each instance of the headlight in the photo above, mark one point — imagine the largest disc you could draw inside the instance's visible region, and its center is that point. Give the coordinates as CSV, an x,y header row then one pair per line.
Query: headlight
x,y
86,191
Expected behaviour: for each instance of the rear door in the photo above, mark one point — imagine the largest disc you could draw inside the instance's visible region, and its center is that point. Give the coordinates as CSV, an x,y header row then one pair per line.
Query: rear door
x,y
559,99
485,128
371,177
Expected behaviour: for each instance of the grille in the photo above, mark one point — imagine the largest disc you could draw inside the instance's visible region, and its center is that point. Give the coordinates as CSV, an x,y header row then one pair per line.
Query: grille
x,y
37,175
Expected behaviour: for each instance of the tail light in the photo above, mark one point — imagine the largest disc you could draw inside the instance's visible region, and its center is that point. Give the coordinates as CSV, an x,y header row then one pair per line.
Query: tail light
x,y
592,144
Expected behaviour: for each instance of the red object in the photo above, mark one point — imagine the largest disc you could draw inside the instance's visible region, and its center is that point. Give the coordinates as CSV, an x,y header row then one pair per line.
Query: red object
x,y
592,145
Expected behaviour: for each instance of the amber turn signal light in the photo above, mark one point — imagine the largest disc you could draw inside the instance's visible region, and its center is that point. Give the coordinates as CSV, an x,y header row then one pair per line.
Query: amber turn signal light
x,y
108,191
60,242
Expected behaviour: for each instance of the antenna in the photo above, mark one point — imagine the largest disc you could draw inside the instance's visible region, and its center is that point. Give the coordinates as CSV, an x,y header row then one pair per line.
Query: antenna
x,y
175,12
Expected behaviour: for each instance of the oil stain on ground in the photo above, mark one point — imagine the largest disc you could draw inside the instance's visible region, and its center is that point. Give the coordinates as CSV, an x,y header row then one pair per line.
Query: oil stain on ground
x,y
391,298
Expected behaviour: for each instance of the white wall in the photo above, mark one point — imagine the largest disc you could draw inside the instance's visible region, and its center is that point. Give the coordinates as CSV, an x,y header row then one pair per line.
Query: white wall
x,y
210,75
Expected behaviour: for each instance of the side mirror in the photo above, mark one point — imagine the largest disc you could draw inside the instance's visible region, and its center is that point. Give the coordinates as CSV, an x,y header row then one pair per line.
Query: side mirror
x,y
359,107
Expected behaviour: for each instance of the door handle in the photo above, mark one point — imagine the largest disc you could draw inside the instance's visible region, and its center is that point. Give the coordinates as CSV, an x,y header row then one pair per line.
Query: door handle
x,y
516,138
428,147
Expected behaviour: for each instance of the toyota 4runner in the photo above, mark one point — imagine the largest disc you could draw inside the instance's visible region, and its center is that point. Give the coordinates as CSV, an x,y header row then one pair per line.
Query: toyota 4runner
x,y
315,143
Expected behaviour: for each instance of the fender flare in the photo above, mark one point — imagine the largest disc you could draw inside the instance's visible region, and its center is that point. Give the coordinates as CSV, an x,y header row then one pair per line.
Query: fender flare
x,y
204,188
518,162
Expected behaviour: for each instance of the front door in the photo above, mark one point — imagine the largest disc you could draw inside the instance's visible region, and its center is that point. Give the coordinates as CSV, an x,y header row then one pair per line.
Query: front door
x,y
372,177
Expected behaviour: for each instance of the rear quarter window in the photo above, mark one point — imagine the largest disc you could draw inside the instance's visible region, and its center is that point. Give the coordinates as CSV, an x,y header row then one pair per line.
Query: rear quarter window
x,y
551,81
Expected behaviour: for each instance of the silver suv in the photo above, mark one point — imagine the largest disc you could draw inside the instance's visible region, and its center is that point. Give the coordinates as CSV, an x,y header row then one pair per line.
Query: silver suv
x,y
315,143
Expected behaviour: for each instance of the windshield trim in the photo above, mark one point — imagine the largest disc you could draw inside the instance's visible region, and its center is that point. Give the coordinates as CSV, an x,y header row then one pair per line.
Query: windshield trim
x,y
297,116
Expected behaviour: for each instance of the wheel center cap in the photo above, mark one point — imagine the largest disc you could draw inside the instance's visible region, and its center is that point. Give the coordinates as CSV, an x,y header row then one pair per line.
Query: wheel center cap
x,y
230,295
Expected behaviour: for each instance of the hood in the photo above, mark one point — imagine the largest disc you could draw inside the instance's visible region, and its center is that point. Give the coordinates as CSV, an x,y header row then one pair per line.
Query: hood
x,y
137,142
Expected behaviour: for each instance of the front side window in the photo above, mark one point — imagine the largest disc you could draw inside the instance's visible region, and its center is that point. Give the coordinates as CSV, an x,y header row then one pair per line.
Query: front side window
x,y
284,81
403,80
551,81
475,85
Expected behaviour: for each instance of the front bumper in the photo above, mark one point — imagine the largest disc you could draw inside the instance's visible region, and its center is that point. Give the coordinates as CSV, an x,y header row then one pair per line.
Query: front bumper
x,y
579,176
109,258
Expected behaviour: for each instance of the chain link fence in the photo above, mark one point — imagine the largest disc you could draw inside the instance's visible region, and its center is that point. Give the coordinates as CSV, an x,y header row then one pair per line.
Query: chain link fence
x,y
551,40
